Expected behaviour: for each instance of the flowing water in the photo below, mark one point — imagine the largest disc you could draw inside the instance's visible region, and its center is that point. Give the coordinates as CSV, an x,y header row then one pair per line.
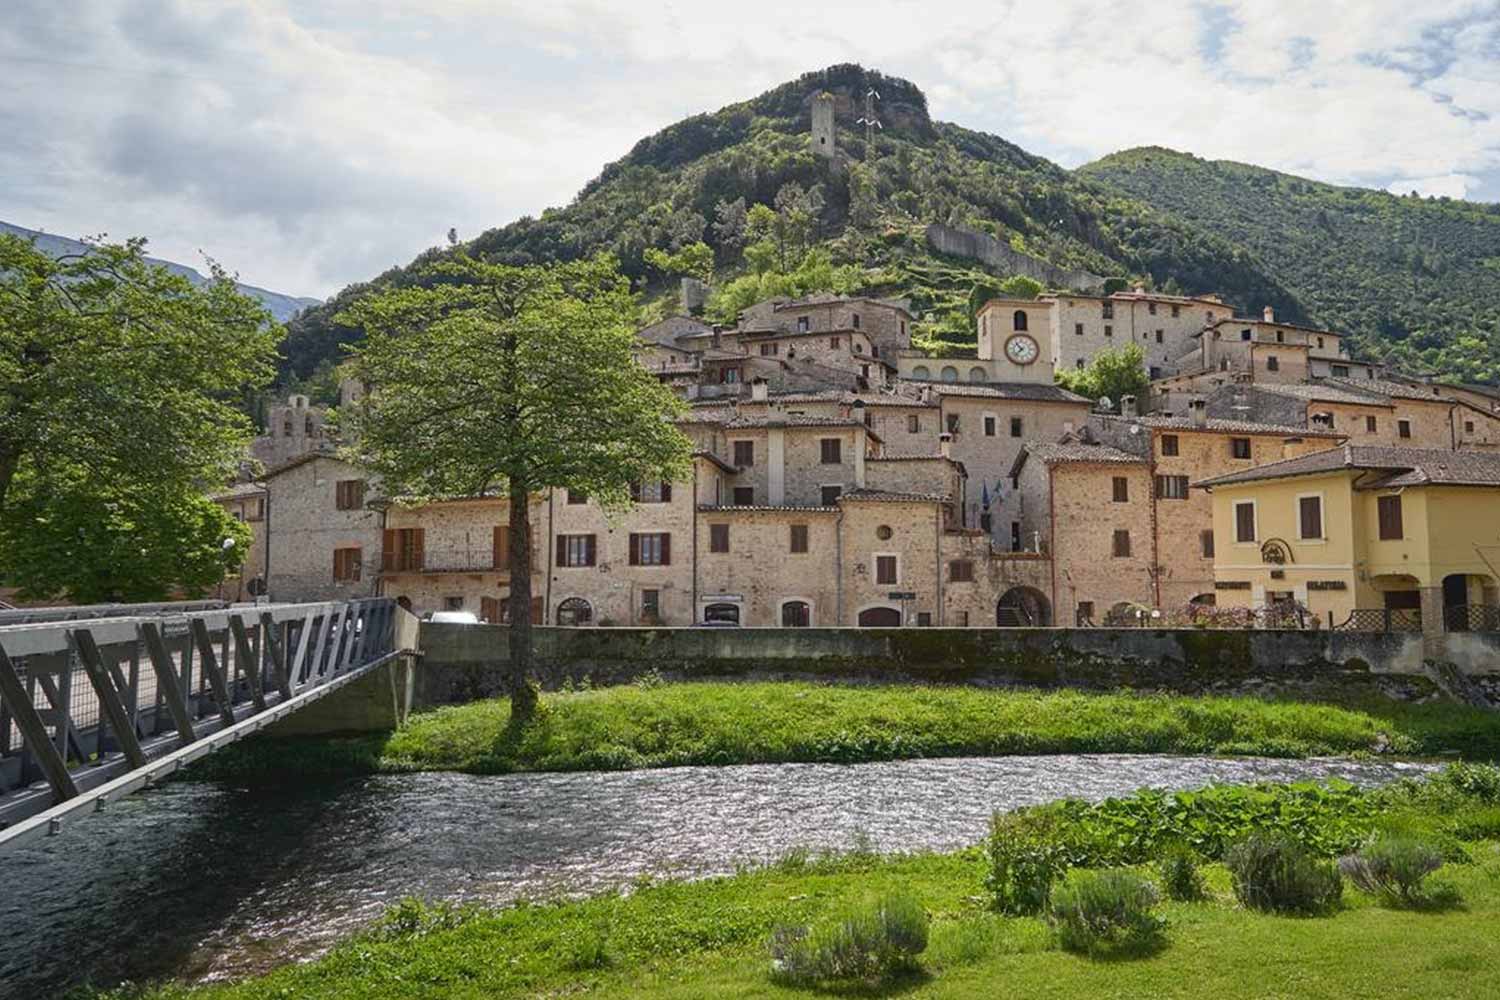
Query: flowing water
x,y
203,881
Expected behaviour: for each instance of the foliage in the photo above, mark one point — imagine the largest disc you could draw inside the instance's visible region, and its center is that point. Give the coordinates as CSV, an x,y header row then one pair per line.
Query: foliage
x,y
1019,286
1177,867
696,260
120,393
1094,911
1275,873
413,917
868,943
1025,859
1112,374
1393,868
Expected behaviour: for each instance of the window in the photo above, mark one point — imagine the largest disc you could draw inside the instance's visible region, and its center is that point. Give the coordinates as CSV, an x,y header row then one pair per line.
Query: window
x,y
960,571
575,550
1280,337
349,494
799,538
650,605
1244,334
989,426
1176,311
885,569
833,342
1151,308
985,522
1121,547
1272,363
1015,427
1084,616
858,347
913,424
1468,427
924,619
978,374
921,372
402,550
1018,320
1340,371
729,376
651,549
1244,521
1122,489
255,510
307,425
953,423
1169,445
1079,364
1320,341
286,427
803,324
574,611
1109,331
651,492
1015,536
961,619
1159,334
453,603
767,350
1370,425
744,454
346,565
1206,543
500,547
1403,428
744,496
574,497
832,450
1310,518
1388,510
831,495
855,319
1172,487
796,614
948,374
1239,447
1078,329
1107,310
718,538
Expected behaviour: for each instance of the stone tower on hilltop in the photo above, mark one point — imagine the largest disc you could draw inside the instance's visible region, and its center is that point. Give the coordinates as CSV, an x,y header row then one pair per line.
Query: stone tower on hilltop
x,y
823,142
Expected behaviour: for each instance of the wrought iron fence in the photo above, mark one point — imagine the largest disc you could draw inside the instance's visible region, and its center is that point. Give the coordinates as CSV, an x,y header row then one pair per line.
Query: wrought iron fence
x,y
1382,620
1472,618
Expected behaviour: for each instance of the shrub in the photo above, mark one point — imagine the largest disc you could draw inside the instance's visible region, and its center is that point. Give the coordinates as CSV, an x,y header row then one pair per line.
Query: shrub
x,y
1393,868
1025,859
1180,878
587,949
867,943
1273,872
1095,910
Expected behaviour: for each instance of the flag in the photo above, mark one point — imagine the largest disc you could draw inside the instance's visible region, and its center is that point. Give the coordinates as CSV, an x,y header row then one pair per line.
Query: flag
x,y
984,496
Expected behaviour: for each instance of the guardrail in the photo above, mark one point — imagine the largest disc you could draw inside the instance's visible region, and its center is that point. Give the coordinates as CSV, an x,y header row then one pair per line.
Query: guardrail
x,y
86,705
1382,620
1472,618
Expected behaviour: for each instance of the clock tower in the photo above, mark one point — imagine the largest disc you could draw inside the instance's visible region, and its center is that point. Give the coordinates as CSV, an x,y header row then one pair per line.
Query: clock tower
x,y
1015,336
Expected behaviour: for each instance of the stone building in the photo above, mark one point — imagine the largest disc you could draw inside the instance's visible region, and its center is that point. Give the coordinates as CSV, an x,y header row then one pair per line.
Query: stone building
x,y
323,540
246,502
1162,325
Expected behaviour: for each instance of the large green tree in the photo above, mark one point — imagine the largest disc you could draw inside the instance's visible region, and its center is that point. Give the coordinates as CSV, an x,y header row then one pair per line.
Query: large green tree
x,y
499,379
119,392
1112,374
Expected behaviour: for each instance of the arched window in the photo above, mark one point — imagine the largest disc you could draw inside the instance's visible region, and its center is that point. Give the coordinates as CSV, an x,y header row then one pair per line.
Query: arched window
x,y
1018,320
921,371
574,611
722,613
796,614
286,427
977,374
950,374
307,426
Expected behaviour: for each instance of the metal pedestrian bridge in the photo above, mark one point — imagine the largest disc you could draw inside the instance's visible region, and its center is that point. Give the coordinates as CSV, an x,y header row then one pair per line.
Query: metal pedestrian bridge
x,y
97,703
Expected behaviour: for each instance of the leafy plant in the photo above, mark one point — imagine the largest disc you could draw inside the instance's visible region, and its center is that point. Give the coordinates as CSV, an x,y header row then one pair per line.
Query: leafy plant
x,y
1099,910
1025,859
865,943
1393,868
1180,878
1275,873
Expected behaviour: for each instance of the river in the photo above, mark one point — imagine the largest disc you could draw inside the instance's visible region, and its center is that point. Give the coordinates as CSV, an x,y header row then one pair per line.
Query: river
x,y
204,881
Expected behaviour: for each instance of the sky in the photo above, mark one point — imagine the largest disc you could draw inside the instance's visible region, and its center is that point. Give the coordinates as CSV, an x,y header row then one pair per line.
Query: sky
x,y
307,144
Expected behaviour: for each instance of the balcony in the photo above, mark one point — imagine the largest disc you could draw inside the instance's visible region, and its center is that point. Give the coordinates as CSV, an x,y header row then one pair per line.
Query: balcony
x,y
460,559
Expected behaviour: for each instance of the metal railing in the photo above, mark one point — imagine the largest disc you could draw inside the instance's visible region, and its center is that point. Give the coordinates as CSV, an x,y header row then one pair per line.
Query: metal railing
x,y
1382,620
1472,618
86,704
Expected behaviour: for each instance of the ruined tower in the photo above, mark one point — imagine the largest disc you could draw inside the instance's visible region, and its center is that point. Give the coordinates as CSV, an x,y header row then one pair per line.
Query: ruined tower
x,y
822,125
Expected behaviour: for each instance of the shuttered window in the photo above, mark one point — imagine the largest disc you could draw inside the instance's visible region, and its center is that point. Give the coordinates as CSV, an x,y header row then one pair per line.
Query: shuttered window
x,y
799,538
1121,547
744,454
346,565
651,492
349,494
1206,543
1122,489
1239,447
1310,517
1244,522
576,550
650,549
1389,509
744,496
832,449
1172,487
1169,444
402,550
502,547
718,538
961,571
885,569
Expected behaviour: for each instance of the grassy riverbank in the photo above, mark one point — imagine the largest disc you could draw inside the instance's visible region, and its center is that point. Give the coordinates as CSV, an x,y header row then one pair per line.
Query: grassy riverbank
x,y
667,725
709,938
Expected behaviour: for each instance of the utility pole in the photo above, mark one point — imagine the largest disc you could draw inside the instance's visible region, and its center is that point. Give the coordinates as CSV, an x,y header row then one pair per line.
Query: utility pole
x,y
871,123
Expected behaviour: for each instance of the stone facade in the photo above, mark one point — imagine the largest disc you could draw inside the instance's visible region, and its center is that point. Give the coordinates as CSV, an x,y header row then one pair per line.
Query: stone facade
x,y
1163,325
247,503
310,519
293,429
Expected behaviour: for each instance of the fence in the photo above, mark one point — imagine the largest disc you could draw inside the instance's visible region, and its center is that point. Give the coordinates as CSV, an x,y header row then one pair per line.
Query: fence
x,y
1472,618
1382,620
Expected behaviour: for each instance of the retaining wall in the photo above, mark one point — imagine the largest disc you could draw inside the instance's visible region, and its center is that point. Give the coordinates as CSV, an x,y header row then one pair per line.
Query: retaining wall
x,y
465,662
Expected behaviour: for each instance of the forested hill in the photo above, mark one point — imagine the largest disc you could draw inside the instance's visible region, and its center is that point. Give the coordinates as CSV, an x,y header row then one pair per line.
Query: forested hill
x,y
1417,279
857,225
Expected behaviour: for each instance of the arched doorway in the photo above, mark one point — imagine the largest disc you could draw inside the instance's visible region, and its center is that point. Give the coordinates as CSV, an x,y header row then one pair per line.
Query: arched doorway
x,y
1022,607
1205,600
722,613
575,611
880,618
796,614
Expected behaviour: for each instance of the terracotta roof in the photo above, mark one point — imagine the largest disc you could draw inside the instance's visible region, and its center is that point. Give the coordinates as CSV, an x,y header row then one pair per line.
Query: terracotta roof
x,y
712,414
924,456
788,420
1222,426
1042,392
311,456
1324,391
1400,467
715,459
709,508
239,490
1078,451
1387,387
892,496
848,396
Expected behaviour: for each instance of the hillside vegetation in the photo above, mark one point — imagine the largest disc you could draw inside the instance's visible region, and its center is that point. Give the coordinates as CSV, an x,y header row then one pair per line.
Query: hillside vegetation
x,y
742,179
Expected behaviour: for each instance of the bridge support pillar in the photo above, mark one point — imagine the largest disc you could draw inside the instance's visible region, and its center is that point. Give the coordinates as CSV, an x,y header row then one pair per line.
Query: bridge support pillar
x,y
378,701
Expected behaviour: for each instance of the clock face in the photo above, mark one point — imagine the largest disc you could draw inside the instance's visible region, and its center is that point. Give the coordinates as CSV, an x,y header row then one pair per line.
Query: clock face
x,y
1021,349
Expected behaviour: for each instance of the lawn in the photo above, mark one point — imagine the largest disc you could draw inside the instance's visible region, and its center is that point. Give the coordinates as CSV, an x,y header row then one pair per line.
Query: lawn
x,y
666,725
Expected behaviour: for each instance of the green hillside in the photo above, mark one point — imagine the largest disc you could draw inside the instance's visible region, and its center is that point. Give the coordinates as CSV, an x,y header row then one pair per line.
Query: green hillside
x,y
858,226
1417,280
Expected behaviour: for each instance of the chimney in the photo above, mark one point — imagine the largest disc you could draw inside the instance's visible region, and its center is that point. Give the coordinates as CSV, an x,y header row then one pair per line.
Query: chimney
x,y
718,331
945,444
1198,409
1127,406
1322,421
758,390
1268,314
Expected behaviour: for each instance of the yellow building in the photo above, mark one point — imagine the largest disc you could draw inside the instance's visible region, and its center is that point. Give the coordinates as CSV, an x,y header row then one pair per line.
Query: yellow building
x,y
1411,530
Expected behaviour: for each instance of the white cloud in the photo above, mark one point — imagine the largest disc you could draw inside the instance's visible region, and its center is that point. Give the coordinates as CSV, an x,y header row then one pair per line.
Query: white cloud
x,y
311,144
1448,185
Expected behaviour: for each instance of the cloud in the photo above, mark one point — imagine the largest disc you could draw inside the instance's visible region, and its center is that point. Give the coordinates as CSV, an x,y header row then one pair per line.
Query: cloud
x,y
310,144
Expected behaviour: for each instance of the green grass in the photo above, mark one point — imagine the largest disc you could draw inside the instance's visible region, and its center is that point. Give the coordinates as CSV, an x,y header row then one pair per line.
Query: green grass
x,y
709,938
666,725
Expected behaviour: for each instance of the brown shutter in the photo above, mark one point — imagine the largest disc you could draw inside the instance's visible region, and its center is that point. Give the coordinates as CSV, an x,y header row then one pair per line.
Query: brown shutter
x,y
1312,517
536,611
589,546
388,551
338,563
562,550
666,492
666,549
417,537
502,547
635,549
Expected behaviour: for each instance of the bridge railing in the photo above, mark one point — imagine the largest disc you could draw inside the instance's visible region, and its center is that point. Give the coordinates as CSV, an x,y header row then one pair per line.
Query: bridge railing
x,y
85,701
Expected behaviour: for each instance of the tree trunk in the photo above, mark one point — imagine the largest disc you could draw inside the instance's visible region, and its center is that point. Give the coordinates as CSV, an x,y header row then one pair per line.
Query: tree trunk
x,y
522,695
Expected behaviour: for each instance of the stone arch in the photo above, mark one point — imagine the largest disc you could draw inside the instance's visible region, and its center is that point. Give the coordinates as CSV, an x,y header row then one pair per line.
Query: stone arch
x,y
949,374
977,374
1018,319
880,616
796,612
722,611
921,372
1208,600
1021,607
575,611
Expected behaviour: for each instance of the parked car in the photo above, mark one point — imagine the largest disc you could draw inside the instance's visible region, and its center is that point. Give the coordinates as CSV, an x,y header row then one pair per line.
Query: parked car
x,y
455,617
